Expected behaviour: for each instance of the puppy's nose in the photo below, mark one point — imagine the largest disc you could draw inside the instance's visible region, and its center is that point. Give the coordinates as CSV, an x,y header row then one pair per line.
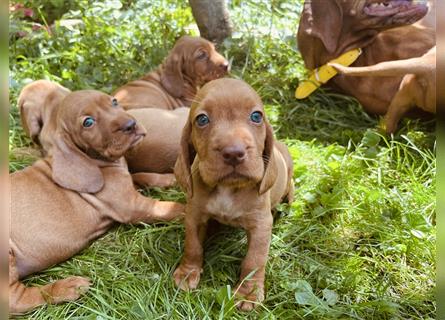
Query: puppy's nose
x,y
129,126
234,154
225,65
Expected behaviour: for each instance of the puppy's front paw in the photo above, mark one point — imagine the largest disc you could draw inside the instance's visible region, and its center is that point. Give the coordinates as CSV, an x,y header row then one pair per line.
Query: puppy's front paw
x,y
249,295
68,289
187,277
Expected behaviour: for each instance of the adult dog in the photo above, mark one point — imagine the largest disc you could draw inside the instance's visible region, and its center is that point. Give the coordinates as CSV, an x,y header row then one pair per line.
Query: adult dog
x,y
381,28
64,201
233,171
192,62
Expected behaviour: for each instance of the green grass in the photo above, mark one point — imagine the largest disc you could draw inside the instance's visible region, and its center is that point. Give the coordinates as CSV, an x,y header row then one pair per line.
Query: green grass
x,y
357,243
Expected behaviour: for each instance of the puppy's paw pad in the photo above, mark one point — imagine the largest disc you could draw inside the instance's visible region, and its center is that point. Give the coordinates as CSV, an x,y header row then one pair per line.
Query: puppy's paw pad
x,y
69,289
187,278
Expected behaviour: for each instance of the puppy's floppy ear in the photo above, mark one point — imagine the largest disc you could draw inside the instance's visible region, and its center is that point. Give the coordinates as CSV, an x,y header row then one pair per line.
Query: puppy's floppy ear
x,y
270,163
74,170
183,165
31,118
321,19
171,78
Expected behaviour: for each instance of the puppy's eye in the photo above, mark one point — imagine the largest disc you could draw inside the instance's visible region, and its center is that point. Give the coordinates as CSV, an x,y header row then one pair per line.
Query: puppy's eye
x,y
202,55
256,117
202,120
88,122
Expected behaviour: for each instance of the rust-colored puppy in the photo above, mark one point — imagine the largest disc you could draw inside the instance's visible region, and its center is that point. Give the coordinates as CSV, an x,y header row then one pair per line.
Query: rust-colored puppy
x,y
418,87
233,171
38,102
380,28
63,202
192,62
155,155
158,152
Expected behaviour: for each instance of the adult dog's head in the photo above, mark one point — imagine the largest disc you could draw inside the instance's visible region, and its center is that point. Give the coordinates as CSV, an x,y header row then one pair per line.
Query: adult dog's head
x,y
341,25
193,60
228,133
92,129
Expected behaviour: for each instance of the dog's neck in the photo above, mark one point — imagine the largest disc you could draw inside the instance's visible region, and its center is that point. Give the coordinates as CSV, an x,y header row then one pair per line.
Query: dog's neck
x,y
190,89
315,54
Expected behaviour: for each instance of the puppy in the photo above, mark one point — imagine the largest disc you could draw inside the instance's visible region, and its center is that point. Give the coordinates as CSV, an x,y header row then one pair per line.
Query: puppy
x,y
159,151
38,102
233,171
192,62
418,86
155,155
66,200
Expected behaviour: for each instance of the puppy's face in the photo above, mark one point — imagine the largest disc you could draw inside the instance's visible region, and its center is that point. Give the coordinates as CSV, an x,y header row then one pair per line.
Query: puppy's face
x,y
98,125
201,61
228,133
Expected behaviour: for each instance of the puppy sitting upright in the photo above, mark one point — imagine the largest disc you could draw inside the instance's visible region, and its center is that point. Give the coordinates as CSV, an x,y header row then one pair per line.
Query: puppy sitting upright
x,y
234,172
61,203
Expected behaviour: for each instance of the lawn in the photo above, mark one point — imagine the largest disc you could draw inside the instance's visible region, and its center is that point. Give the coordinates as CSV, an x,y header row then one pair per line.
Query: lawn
x,y
357,243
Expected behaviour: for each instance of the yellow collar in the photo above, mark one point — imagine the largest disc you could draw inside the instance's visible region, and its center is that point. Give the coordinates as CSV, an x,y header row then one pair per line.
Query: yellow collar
x,y
322,74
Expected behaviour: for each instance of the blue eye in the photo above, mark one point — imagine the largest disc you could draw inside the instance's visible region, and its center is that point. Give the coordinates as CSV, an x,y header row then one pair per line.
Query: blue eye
x,y
202,120
256,117
88,122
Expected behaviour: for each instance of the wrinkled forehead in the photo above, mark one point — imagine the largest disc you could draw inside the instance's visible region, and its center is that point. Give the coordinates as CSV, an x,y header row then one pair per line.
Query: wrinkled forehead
x,y
228,101
85,102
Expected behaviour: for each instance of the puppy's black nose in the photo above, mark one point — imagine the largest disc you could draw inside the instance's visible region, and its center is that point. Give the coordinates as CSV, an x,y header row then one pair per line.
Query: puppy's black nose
x,y
129,126
225,65
234,154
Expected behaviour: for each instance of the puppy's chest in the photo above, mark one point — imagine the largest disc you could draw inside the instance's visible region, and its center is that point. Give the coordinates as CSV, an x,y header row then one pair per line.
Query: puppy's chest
x,y
227,205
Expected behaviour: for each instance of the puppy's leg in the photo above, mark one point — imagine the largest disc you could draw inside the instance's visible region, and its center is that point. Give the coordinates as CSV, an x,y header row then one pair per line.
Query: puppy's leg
x,y
400,104
188,274
22,298
138,208
251,285
144,179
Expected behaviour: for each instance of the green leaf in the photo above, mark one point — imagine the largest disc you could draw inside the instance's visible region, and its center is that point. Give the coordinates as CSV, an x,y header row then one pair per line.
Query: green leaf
x,y
330,296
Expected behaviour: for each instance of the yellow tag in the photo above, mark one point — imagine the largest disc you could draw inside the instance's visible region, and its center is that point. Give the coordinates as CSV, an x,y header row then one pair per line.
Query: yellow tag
x,y
324,73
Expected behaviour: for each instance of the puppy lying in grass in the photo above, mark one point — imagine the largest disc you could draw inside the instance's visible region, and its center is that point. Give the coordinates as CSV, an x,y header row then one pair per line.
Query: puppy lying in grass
x,y
152,160
192,62
418,86
66,200
233,171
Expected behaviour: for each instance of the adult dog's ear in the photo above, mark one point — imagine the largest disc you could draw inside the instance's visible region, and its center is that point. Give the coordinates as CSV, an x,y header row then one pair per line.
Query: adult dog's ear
x,y
74,170
171,78
323,20
270,163
183,165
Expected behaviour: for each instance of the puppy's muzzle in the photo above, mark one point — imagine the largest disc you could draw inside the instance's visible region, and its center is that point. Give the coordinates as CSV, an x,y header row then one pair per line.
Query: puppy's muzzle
x,y
234,154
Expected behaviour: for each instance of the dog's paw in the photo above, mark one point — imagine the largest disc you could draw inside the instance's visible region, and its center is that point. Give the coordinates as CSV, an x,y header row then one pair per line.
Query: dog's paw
x,y
249,295
68,289
187,278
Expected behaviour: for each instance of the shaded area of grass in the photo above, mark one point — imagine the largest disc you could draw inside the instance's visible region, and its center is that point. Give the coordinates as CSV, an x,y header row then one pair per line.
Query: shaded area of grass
x,y
359,240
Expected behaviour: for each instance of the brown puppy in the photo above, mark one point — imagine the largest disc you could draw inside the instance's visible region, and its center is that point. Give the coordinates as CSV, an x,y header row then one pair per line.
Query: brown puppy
x,y
38,102
63,202
234,172
157,153
418,87
192,62
159,150
363,24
